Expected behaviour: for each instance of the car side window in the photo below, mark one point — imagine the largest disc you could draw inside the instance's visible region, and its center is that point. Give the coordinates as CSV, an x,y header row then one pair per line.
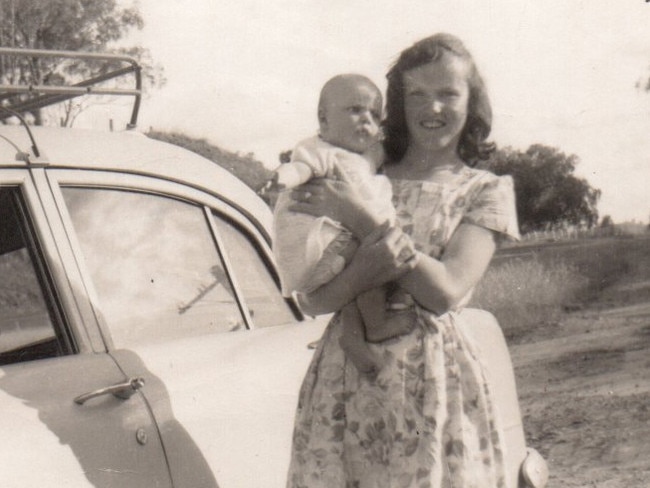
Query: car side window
x,y
154,264
28,327
261,292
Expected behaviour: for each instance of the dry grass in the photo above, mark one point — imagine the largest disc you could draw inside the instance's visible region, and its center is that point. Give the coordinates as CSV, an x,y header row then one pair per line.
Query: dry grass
x,y
526,293
533,286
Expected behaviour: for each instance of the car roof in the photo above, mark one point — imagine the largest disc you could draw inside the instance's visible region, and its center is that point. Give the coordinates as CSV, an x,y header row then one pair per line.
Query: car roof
x,y
134,153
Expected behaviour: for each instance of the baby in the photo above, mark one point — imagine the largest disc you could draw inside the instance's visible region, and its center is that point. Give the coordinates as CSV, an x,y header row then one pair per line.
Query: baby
x,y
310,251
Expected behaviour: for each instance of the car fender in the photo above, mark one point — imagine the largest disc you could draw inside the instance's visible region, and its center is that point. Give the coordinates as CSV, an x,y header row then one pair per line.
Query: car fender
x,y
232,396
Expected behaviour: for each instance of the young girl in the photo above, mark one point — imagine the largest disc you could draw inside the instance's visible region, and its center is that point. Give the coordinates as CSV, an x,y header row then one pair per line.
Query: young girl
x,y
427,420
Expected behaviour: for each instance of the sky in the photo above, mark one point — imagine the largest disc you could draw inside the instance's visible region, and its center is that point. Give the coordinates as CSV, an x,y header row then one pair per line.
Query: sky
x,y
246,75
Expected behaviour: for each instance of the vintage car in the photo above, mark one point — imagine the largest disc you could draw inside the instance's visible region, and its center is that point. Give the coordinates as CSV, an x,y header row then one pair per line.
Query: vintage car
x,y
144,341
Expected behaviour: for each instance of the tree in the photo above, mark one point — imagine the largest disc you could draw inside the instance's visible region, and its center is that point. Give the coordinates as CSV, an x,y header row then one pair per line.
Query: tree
x,y
607,221
71,25
246,168
549,195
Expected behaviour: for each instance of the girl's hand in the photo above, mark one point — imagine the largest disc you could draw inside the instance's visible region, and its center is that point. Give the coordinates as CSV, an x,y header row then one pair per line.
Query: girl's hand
x,y
337,199
386,254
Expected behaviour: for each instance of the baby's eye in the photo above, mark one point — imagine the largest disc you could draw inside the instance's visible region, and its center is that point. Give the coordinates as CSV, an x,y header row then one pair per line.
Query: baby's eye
x,y
450,94
355,109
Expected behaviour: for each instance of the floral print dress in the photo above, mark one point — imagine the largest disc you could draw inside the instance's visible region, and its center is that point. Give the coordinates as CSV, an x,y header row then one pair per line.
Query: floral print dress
x,y
427,419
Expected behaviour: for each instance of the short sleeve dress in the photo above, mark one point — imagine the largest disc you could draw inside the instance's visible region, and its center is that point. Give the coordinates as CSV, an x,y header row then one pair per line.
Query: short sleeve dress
x,y
427,419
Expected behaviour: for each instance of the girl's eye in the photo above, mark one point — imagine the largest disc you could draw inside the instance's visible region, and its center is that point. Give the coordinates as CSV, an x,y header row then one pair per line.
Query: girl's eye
x,y
416,97
450,94
416,94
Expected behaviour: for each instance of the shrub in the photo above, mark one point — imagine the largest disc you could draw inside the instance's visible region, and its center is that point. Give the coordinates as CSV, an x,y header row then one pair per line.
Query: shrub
x,y
246,168
529,286
524,293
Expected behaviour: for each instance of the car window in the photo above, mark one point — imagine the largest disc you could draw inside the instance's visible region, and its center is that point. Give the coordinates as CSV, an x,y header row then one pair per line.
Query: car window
x,y
154,265
266,305
27,324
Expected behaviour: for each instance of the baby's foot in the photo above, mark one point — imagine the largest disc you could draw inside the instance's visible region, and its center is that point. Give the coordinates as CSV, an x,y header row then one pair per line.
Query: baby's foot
x,y
396,324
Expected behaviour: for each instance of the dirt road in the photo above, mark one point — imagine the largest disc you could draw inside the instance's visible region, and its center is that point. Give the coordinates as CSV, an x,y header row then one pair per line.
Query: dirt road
x,y
584,388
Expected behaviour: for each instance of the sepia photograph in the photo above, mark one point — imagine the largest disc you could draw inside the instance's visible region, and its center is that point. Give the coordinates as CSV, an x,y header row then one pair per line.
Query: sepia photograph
x,y
306,244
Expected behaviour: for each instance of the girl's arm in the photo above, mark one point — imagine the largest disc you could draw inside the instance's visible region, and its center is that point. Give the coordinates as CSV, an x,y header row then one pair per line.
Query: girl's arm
x,y
439,285
383,256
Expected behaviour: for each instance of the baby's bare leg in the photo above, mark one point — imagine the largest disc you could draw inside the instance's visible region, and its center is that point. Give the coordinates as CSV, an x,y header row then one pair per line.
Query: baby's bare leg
x,y
354,344
381,325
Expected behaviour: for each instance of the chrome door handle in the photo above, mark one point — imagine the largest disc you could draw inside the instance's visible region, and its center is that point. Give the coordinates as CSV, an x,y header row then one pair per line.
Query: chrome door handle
x,y
121,390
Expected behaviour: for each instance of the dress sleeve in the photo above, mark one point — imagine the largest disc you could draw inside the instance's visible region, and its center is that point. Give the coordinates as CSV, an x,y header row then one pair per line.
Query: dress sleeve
x,y
493,207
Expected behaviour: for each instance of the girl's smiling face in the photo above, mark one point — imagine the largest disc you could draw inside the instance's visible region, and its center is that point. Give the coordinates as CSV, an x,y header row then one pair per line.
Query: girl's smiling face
x,y
435,104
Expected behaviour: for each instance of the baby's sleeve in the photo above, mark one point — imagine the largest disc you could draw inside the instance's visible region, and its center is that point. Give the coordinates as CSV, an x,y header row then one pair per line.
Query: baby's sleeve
x,y
314,155
494,207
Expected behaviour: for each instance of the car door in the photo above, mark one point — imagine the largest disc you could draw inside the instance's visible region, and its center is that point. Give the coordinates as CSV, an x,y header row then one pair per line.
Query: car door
x,y
51,353
195,304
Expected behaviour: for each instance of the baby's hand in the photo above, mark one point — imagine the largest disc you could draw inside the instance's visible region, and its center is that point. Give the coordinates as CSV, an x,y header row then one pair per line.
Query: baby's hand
x,y
270,190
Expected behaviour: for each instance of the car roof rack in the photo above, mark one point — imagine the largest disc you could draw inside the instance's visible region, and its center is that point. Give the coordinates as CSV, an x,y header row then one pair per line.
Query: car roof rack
x,y
45,95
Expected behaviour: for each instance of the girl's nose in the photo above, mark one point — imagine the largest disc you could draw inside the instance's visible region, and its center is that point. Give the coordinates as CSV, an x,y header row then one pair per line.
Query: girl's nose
x,y
436,106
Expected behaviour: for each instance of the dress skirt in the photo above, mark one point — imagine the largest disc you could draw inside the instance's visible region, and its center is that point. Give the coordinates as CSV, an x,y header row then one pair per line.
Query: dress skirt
x,y
427,420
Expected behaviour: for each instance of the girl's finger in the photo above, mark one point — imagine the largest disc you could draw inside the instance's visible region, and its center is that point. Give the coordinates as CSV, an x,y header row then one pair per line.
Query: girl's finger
x,y
406,254
300,193
393,235
409,264
312,185
376,235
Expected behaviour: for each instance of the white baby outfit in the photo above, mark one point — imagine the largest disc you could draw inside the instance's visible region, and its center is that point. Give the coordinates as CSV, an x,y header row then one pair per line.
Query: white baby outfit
x,y
307,248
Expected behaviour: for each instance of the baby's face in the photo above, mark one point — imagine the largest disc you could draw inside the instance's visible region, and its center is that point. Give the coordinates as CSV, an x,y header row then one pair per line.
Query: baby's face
x,y
351,115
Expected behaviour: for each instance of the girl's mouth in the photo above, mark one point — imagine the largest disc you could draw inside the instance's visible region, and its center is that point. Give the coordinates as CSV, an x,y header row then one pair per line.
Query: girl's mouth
x,y
432,124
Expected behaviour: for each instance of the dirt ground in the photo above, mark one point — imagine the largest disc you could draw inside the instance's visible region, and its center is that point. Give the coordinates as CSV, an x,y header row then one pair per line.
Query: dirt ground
x,y
584,389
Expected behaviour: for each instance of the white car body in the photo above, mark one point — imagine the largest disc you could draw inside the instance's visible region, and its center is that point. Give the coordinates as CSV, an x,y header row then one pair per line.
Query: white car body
x,y
216,409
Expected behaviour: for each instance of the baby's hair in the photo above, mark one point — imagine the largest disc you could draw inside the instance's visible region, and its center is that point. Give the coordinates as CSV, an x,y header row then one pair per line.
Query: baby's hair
x,y
350,79
472,145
